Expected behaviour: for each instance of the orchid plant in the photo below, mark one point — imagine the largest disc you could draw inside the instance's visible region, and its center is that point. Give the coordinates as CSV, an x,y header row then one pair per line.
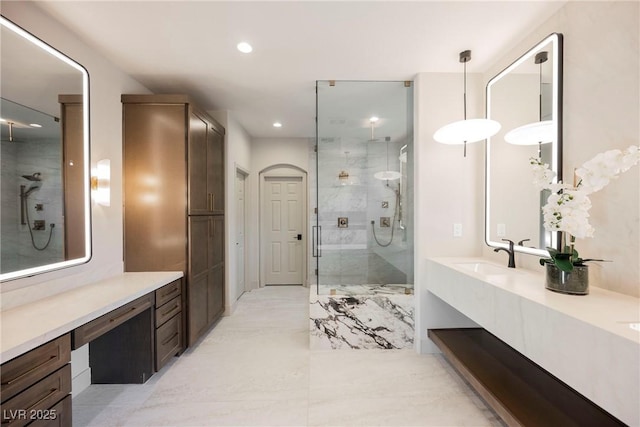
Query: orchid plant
x,y
567,208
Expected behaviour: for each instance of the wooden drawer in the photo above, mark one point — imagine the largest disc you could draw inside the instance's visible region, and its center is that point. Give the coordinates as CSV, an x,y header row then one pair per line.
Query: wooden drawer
x,y
168,292
103,324
168,340
25,370
34,401
58,416
168,310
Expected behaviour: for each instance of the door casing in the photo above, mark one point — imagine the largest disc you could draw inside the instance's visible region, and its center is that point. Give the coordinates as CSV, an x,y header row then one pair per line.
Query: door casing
x,y
284,171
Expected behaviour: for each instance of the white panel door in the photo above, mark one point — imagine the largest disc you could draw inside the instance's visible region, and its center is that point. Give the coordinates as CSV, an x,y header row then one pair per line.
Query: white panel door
x,y
240,221
283,220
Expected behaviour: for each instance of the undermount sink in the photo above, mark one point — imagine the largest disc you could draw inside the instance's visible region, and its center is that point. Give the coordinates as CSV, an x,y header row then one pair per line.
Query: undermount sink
x,y
486,268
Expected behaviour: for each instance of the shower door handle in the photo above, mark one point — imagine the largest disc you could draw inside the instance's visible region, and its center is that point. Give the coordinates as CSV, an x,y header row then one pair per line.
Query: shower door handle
x,y
316,240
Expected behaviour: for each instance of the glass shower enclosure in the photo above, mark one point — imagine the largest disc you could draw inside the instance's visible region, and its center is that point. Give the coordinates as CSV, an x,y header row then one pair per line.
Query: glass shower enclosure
x,y
363,228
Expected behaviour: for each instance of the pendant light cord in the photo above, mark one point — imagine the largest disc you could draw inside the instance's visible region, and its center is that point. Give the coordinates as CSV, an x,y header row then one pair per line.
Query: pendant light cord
x,y
465,90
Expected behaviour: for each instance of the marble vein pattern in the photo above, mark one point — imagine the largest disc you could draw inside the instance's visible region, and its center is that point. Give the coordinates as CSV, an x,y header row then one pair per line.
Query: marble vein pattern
x,y
361,321
255,368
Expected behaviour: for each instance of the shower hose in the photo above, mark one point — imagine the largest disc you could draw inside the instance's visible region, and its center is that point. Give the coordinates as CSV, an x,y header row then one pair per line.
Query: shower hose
x,y
393,224
33,241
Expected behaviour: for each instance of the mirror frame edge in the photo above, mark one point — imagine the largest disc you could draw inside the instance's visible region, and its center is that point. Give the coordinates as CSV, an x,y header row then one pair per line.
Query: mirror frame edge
x,y
33,271
558,41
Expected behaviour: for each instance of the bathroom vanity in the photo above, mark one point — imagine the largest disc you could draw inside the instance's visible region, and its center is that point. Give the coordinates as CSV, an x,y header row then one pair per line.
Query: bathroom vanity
x,y
590,342
132,323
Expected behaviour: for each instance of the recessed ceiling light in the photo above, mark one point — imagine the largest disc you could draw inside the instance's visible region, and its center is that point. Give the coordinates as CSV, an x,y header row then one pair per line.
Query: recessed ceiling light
x,y
374,119
35,125
277,125
244,47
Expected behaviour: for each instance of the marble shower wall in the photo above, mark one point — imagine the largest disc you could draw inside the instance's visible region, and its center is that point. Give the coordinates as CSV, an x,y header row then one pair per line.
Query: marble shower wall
x,y
351,255
27,158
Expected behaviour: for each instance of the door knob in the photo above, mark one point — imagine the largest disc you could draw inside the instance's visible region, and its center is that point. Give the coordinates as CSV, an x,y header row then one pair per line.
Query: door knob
x,y
299,236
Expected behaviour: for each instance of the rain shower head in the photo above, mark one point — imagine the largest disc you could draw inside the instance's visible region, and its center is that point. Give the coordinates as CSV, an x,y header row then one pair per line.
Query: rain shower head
x,y
34,177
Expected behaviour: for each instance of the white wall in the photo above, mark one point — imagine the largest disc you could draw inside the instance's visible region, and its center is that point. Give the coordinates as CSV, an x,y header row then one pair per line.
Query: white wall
x,y
601,112
448,188
237,155
106,85
267,152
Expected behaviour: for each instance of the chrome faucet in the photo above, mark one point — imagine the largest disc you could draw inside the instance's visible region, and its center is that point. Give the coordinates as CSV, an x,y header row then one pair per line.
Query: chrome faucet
x,y
510,251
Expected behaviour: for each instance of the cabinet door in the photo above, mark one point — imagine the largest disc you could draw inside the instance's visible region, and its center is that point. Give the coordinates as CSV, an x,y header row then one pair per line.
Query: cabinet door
x,y
155,173
215,301
199,195
215,176
198,277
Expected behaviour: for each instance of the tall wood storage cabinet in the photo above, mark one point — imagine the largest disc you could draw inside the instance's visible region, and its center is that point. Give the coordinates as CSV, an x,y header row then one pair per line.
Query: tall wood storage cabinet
x,y
174,199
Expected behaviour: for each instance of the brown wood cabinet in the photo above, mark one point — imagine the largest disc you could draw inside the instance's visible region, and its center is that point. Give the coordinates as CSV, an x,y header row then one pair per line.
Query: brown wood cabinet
x,y
173,156
36,385
168,315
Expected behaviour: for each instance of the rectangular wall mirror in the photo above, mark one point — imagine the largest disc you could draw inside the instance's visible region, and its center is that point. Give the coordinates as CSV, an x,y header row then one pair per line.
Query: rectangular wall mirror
x,y
44,125
526,99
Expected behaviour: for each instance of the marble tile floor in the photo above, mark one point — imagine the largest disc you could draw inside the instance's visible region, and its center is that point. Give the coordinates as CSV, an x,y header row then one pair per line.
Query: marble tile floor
x,y
255,369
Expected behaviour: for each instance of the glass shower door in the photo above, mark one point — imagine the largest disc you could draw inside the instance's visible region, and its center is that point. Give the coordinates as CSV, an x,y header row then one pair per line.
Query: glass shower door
x,y
363,238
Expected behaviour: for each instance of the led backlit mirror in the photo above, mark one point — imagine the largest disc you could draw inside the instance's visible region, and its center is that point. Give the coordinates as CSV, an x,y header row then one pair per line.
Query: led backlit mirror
x,y
44,110
526,99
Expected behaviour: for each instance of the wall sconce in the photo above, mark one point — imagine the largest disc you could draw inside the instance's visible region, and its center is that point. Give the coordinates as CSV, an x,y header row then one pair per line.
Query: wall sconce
x,y
101,183
467,130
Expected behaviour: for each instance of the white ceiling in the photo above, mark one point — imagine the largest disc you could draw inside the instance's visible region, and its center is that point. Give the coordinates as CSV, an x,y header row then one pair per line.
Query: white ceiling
x,y
190,46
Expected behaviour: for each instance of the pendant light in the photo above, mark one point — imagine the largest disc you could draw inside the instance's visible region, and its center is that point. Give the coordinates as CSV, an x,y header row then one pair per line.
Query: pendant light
x,y
466,131
540,132
387,175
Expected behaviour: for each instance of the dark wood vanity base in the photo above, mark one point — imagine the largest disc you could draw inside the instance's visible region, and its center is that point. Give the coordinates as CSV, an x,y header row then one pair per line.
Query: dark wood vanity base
x,y
131,322
36,386
520,391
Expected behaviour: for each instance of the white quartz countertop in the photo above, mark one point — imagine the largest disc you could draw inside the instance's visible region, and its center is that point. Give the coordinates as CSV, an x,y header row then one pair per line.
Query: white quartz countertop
x,y
30,325
611,311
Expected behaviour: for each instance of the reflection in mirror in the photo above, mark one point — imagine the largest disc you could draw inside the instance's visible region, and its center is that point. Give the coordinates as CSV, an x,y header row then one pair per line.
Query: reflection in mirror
x,y
45,157
525,99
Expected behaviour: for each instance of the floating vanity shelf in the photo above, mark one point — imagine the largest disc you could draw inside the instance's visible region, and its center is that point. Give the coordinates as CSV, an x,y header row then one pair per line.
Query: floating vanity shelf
x,y
521,392
587,342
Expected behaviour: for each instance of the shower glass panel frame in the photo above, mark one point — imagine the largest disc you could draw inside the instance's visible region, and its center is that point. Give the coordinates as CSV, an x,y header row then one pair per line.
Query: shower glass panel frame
x,y
362,237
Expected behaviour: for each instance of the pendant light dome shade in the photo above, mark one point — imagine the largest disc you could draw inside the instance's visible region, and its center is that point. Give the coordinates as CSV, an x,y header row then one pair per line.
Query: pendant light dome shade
x,y
466,131
387,175
536,133
532,134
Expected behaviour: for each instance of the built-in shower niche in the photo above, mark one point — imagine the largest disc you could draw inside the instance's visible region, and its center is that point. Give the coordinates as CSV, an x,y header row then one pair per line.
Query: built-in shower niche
x,y
31,190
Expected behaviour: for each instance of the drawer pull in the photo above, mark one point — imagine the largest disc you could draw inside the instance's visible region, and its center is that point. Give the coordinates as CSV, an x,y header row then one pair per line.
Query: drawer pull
x,y
170,292
113,319
52,391
165,342
13,380
170,310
